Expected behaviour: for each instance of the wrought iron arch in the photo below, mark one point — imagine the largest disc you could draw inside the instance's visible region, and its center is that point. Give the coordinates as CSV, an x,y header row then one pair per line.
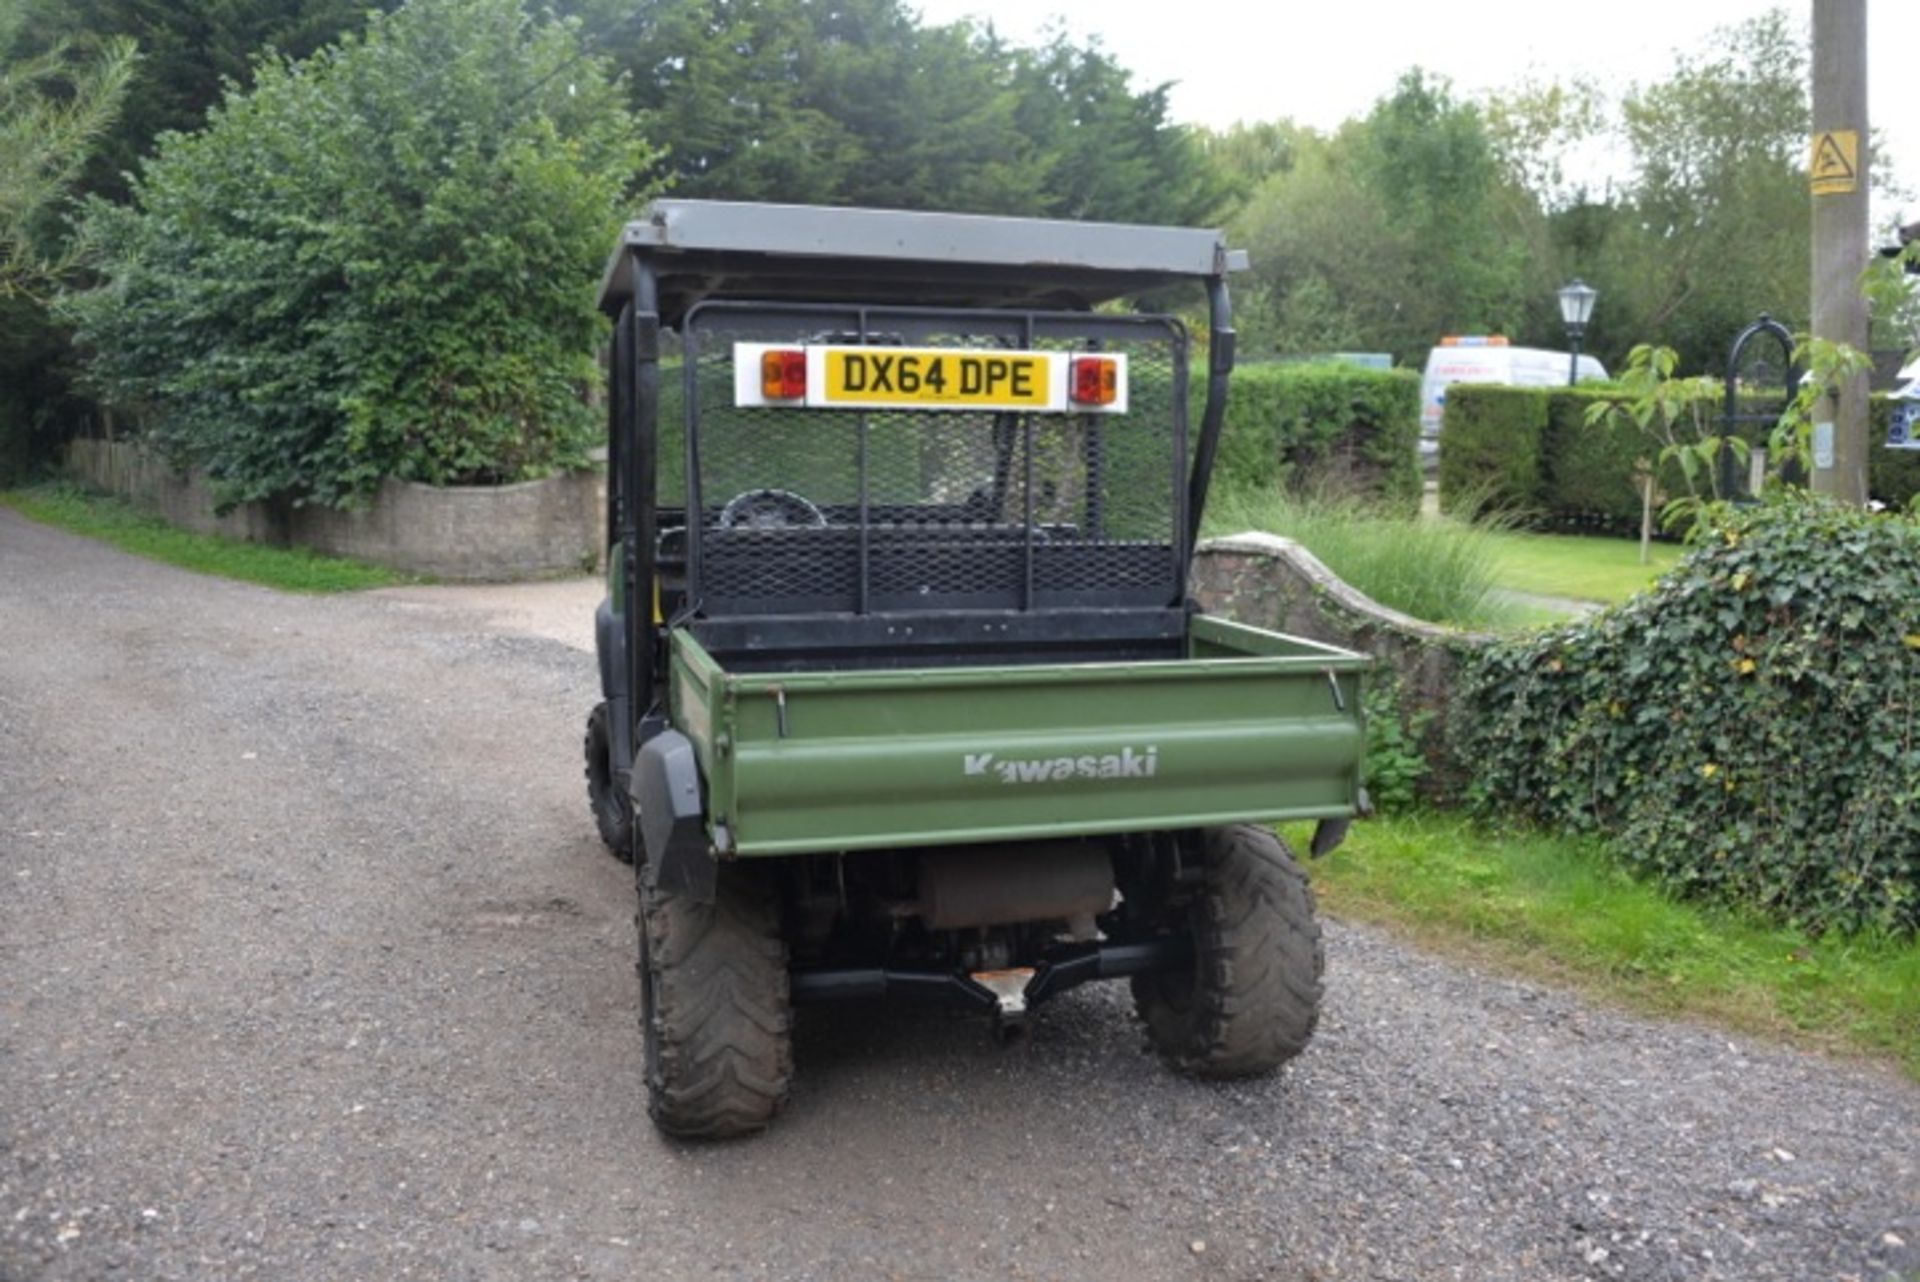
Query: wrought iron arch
x,y
1733,416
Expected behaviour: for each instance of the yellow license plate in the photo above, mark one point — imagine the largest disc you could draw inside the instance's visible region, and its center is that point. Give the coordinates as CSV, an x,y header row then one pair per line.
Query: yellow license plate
x,y
919,377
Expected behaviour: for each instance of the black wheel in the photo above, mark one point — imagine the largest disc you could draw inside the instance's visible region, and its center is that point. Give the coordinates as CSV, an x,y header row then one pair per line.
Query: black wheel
x,y
1251,1000
607,788
714,1007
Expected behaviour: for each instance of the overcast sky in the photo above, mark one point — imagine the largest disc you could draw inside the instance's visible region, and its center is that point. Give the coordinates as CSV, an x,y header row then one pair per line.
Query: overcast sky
x,y
1321,63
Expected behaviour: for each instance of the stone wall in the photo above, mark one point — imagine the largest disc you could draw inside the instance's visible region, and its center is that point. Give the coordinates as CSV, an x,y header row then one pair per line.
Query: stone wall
x,y
1271,582
464,533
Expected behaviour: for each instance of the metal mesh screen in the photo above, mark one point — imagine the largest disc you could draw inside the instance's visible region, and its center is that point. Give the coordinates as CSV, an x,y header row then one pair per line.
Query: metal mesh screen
x,y
811,510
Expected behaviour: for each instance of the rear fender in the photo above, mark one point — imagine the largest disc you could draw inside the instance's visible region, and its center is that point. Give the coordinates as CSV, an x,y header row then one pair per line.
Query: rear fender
x,y
610,647
668,796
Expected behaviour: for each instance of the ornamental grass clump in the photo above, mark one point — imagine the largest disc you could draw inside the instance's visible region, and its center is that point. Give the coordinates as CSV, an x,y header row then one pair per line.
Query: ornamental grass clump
x,y
1748,731
1442,571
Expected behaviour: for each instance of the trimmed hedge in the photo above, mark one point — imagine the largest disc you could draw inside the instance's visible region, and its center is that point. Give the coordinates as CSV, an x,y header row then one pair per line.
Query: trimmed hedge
x,y
1320,427
1532,452
1588,468
1491,447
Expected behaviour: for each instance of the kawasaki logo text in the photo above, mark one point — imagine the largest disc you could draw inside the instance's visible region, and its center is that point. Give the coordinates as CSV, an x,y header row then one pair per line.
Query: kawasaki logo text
x,y
1128,763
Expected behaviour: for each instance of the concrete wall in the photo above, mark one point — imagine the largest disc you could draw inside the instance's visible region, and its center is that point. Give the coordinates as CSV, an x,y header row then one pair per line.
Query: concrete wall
x,y
466,533
1271,582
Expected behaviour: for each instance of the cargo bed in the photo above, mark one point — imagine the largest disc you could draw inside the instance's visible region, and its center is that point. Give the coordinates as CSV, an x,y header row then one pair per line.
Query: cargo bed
x,y
1239,724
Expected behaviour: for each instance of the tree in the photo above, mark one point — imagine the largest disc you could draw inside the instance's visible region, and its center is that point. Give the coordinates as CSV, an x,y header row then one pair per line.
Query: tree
x,y
1429,158
1391,232
1111,152
55,104
1717,214
933,112
54,107
855,102
1534,129
844,103
1325,256
1245,155
1434,215
189,53
719,84
371,263
1709,225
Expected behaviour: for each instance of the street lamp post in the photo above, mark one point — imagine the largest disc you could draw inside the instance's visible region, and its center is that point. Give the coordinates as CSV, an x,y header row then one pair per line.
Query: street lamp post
x,y
1576,309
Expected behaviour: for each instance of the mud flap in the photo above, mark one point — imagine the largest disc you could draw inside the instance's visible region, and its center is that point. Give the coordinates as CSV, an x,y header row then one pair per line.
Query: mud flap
x,y
665,786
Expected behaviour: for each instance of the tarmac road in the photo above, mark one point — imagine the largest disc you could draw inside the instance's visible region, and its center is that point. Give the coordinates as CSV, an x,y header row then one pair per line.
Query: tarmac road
x,y
311,968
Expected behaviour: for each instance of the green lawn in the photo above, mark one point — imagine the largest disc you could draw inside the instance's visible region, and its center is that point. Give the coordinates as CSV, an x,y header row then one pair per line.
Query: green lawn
x,y
1604,570
112,521
1558,909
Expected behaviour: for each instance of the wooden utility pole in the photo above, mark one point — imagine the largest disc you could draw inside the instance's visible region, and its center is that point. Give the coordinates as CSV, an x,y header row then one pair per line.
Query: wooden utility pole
x,y
1837,172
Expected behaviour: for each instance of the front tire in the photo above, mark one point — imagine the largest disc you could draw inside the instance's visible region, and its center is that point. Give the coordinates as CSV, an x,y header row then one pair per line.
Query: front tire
x,y
607,787
1251,999
714,1006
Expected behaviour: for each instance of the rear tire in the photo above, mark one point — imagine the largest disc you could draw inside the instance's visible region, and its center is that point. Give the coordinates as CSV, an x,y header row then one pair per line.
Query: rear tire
x,y
1252,998
714,1008
607,787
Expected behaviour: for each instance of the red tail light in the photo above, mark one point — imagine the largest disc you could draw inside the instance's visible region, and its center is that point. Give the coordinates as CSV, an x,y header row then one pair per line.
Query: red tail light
x,y
1095,381
783,374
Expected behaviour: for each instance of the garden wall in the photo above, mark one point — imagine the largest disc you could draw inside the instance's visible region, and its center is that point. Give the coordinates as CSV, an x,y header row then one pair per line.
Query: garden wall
x,y
471,533
1272,582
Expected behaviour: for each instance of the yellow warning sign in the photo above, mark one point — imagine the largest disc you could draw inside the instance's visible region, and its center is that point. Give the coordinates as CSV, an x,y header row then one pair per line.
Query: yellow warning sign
x,y
1834,167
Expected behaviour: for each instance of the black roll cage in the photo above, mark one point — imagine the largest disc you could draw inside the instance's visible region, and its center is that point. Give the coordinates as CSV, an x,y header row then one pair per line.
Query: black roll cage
x,y
653,285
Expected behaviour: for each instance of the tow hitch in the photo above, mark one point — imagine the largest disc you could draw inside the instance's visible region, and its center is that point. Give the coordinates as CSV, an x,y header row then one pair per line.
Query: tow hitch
x,y
1007,996
1009,988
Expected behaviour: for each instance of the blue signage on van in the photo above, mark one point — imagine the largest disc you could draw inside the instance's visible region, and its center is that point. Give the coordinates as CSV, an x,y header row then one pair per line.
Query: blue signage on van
x,y
1903,426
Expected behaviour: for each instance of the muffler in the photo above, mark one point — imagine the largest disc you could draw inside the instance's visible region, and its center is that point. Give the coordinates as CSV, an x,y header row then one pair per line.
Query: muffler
x,y
966,886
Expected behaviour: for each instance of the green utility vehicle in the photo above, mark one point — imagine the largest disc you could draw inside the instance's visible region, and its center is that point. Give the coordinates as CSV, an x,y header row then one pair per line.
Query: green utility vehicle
x,y
904,695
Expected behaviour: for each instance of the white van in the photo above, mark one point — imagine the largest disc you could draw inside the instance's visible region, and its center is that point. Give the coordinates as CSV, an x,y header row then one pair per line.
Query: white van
x,y
1488,359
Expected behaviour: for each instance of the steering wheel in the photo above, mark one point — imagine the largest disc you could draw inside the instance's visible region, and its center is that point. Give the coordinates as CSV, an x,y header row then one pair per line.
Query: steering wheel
x,y
770,510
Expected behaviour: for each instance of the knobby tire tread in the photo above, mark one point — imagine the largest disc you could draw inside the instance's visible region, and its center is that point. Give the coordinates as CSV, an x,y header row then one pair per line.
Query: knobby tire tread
x,y
1253,1001
715,1007
606,789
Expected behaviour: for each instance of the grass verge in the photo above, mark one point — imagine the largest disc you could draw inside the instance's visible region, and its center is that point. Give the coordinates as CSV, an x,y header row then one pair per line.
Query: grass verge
x,y
70,507
1586,568
1559,909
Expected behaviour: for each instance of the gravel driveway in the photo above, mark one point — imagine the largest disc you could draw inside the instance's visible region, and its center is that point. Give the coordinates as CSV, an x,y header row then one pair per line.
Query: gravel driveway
x,y
310,968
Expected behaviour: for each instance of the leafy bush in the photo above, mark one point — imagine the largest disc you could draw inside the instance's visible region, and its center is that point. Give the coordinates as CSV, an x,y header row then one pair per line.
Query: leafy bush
x,y
1323,428
1395,765
373,263
1441,571
1748,731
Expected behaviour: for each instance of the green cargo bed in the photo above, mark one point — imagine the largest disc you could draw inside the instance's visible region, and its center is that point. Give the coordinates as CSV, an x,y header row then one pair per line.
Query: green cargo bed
x,y
1250,726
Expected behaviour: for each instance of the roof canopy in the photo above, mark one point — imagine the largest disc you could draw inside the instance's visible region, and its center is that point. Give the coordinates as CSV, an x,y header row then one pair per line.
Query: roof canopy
x,y
703,249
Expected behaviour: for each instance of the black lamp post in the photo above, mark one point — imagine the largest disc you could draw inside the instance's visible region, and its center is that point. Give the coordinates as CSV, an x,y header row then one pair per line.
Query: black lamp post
x,y
1576,309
